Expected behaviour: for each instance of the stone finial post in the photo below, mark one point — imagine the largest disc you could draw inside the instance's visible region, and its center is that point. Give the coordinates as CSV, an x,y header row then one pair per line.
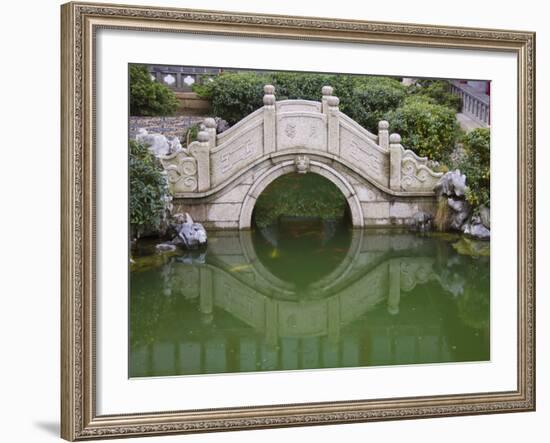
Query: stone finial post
x,y
201,151
327,91
384,134
396,152
270,117
210,127
333,116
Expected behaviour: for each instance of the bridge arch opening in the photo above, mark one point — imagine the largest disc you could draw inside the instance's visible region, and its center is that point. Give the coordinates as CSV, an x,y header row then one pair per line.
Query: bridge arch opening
x,y
338,181
305,218
300,199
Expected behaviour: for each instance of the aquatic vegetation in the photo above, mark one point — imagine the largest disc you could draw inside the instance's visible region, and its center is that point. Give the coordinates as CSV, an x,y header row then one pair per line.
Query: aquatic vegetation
x,y
152,261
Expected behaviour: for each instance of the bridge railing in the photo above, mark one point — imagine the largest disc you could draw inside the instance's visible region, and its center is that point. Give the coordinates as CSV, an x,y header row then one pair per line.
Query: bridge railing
x,y
298,127
473,103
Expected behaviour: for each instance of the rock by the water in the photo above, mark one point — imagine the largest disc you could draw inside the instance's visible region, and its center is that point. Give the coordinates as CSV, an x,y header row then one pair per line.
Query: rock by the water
x,y
422,222
189,234
472,247
158,144
452,184
476,229
485,216
460,213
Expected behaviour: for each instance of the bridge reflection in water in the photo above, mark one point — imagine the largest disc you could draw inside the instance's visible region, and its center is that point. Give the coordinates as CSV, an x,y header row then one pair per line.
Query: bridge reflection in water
x,y
248,304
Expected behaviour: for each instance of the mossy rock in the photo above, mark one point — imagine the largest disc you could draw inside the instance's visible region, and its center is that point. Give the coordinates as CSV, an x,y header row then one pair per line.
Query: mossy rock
x,y
473,248
147,262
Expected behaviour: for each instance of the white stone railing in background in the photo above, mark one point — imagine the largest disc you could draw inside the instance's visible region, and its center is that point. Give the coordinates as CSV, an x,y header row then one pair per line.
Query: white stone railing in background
x,y
297,127
473,104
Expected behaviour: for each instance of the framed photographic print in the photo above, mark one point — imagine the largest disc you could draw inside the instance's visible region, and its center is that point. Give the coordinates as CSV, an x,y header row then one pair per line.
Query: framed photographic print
x,y
282,221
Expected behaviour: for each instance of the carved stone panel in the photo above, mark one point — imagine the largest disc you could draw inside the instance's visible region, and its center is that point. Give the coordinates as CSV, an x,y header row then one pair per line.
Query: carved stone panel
x,y
360,152
232,157
298,105
181,170
417,177
301,130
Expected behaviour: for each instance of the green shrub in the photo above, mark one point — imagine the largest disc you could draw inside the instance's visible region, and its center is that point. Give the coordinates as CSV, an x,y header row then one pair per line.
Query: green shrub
x,y
234,95
190,135
366,99
148,97
372,98
476,166
148,190
300,85
430,130
439,92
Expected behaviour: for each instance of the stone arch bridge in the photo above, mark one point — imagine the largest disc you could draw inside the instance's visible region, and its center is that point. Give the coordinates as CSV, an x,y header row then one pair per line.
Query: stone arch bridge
x,y
218,178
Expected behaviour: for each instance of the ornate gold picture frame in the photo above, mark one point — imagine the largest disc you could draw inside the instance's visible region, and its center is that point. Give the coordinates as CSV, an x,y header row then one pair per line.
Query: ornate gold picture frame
x,y
80,22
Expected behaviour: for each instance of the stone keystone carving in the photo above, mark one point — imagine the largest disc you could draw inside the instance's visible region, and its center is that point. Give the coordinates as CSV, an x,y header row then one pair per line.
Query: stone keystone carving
x,y
302,164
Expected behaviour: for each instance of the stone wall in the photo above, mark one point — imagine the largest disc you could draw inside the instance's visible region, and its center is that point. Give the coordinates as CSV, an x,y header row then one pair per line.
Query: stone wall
x,y
168,126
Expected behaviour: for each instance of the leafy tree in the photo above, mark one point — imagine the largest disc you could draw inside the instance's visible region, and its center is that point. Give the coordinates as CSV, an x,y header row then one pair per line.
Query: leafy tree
x,y
147,96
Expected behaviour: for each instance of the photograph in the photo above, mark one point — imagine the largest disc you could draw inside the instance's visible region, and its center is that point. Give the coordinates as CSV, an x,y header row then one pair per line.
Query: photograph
x,y
276,220
286,220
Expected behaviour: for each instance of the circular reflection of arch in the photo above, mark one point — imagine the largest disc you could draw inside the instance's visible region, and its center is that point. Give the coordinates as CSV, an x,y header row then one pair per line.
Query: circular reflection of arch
x,y
287,167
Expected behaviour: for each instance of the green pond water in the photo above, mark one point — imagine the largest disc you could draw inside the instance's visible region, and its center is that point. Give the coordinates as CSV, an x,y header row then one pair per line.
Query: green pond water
x,y
306,294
